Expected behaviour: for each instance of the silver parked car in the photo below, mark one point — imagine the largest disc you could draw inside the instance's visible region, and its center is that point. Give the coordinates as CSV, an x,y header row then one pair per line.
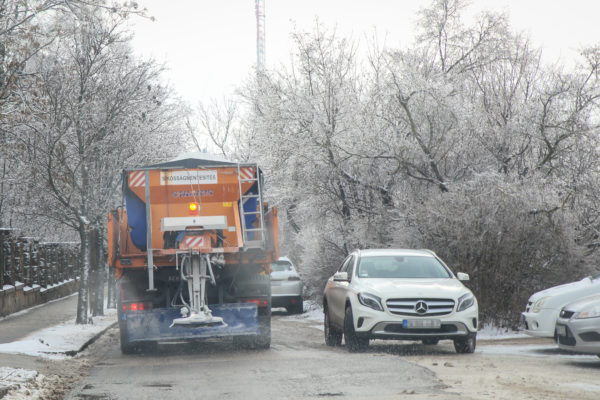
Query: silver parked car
x,y
578,326
286,286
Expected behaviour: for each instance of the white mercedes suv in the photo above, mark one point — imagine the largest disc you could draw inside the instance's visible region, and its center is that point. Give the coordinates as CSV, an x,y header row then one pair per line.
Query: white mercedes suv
x,y
398,294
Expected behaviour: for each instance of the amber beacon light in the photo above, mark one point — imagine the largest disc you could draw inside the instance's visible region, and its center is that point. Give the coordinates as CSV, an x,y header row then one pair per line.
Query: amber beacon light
x,y
193,208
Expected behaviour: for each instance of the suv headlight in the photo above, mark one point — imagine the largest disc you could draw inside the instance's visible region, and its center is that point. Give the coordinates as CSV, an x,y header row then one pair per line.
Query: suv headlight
x,y
591,312
465,301
370,300
537,306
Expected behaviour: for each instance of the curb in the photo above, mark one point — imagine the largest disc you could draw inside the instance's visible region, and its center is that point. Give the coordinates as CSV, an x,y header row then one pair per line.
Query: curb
x,y
71,353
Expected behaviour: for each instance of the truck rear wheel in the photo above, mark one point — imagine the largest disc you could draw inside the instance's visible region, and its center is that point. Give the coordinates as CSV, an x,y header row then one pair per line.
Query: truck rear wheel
x,y
263,339
126,347
257,286
260,341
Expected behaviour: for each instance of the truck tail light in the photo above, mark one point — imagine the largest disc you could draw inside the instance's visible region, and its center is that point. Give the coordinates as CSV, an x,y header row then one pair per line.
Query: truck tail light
x,y
258,302
141,306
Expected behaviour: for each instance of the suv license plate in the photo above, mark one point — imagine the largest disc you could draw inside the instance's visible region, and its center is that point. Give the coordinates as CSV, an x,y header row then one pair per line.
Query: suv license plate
x,y
422,323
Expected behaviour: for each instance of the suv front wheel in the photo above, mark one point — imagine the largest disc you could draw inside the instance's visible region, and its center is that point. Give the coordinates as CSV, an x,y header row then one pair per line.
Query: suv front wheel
x,y
467,344
354,342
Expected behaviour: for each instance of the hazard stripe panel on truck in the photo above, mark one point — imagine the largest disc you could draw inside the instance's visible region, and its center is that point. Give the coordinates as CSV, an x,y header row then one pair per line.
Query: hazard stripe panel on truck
x,y
137,178
247,173
194,241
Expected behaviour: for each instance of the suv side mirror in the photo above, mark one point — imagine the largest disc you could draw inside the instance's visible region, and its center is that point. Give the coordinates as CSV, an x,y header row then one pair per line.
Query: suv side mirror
x,y
462,276
340,276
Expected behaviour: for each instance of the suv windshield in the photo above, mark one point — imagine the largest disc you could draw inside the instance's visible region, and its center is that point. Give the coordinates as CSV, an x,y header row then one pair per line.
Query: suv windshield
x,y
401,267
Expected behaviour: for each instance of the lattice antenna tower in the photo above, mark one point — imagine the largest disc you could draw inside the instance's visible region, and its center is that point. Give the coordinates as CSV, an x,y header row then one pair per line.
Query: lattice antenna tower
x,y
260,35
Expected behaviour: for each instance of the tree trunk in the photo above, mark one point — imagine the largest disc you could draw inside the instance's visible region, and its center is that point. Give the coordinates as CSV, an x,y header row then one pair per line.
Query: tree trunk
x,y
93,274
98,308
82,303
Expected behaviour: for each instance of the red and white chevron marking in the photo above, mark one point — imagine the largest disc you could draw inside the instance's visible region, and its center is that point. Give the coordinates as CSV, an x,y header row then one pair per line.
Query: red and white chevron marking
x,y
137,178
247,173
193,241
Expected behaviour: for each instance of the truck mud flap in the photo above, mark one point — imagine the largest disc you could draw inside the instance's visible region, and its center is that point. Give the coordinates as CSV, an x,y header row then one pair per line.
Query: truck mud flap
x,y
153,325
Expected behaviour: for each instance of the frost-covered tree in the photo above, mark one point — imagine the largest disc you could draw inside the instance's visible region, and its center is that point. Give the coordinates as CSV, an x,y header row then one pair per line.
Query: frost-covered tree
x,y
219,124
98,110
476,112
27,28
312,131
464,142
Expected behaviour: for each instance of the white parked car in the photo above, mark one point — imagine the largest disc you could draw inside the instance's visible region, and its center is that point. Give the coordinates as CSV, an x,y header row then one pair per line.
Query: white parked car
x,y
398,294
539,318
286,286
578,326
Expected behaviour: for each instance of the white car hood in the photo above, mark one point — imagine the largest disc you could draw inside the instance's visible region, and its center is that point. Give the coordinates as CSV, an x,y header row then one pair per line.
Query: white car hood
x,y
565,289
410,288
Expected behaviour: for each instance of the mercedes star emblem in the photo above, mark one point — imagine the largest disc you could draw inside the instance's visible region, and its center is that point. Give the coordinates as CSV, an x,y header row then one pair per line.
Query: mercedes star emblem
x,y
421,307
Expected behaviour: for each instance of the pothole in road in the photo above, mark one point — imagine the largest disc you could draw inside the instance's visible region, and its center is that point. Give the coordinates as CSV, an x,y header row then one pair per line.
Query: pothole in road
x,y
158,385
94,396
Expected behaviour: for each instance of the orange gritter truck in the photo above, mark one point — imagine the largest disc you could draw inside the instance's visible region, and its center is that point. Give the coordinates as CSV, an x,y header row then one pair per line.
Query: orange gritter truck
x,y
192,247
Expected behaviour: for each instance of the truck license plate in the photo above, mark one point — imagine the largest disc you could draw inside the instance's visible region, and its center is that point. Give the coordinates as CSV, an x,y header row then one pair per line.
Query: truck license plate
x,y
422,323
561,330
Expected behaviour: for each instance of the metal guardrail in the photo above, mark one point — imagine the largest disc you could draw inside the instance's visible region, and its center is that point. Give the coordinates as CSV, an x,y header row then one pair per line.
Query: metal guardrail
x,y
27,260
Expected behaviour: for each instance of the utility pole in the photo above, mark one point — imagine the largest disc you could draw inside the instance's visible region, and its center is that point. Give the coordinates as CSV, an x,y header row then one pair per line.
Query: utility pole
x,y
260,35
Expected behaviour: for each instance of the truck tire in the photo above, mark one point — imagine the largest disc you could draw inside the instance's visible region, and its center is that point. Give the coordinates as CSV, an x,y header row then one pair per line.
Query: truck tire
x,y
260,341
263,339
257,285
126,347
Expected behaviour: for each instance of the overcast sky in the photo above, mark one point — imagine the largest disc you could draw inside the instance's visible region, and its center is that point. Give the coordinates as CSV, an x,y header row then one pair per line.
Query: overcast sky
x,y
210,46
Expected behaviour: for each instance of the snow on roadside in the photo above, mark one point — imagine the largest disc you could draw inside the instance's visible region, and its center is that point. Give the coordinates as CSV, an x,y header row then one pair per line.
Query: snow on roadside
x,y
17,383
490,332
313,314
533,350
60,341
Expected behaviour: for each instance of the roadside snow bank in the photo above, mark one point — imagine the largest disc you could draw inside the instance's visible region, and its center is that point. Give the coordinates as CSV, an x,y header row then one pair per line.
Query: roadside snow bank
x,y
313,314
490,332
61,341
17,383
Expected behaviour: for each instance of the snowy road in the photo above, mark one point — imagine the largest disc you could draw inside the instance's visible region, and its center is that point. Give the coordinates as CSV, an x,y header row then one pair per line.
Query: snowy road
x,y
300,366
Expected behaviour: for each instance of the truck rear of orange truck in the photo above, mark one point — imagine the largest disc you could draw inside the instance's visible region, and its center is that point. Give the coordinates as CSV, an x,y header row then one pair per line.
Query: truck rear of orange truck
x,y
192,247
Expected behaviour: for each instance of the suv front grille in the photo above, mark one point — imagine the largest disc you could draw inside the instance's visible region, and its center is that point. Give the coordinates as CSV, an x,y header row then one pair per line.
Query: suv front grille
x,y
420,307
